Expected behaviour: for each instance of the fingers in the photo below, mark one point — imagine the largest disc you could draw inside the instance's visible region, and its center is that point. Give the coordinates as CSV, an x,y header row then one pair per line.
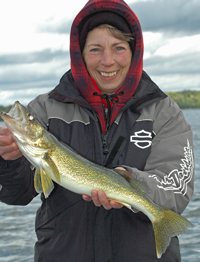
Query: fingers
x,y
120,168
13,155
4,131
127,174
86,197
8,147
100,199
5,138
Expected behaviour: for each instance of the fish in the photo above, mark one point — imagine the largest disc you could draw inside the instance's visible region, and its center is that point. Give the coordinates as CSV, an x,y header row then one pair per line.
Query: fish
x,y
56,162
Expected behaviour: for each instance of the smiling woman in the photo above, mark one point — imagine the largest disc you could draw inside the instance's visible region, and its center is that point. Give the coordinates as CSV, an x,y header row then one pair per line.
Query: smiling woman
x,y
108,110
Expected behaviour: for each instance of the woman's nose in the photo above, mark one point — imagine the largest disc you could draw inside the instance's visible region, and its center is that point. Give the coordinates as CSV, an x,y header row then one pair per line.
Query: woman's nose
x,y
107,58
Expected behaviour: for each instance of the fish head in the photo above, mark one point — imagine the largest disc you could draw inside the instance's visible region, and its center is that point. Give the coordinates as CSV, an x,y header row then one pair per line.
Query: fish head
x,y
23,127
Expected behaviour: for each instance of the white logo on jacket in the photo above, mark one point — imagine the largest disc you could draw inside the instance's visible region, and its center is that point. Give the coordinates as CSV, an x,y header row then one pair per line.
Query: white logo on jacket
x,y
142,139
177,180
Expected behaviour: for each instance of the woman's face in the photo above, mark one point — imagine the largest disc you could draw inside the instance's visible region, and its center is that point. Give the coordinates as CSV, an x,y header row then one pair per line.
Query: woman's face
x,y
107,59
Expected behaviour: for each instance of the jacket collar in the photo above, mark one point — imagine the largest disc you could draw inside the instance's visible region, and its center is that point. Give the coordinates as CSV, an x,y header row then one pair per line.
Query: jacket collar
x,y
147,93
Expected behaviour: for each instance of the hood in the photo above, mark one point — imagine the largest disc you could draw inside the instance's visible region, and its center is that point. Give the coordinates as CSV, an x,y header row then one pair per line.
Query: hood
x,y
81,77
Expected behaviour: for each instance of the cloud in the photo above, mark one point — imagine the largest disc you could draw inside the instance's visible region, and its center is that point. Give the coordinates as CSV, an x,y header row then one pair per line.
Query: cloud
x,y
42,56
177,64
176,82
39,69
174,71
178,17
53,27
26,73
23,95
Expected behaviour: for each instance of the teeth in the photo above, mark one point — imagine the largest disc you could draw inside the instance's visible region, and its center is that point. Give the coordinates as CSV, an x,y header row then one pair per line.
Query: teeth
x,y
108,74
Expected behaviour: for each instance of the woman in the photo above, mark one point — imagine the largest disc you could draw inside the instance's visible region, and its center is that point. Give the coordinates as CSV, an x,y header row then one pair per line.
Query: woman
x,y
110,111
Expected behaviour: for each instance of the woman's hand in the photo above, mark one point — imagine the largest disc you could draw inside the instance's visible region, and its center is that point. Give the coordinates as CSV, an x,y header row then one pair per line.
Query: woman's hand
x,y
99,198
8,147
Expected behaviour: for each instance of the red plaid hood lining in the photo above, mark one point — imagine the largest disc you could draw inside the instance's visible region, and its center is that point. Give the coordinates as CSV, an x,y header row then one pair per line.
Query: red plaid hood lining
x,y
81,77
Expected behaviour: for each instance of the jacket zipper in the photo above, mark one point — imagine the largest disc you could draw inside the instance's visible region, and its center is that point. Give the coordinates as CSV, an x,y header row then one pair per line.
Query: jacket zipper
x,y
105,136
105,146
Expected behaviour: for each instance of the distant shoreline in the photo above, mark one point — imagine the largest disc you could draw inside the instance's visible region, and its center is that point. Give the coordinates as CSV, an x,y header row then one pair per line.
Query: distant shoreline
x,y
185,99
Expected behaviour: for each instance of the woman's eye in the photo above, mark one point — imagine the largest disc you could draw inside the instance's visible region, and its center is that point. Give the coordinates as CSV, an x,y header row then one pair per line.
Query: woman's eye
x,y
94,50
119,48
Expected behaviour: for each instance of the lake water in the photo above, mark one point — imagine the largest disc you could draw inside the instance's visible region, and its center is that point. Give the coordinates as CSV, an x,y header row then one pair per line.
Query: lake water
x,y
17,234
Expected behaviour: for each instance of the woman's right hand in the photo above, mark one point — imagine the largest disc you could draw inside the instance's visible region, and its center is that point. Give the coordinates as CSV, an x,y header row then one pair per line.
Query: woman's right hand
x,y
8,147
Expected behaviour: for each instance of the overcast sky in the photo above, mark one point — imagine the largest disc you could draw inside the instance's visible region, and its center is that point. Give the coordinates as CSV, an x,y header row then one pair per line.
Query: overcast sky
x,y
34,45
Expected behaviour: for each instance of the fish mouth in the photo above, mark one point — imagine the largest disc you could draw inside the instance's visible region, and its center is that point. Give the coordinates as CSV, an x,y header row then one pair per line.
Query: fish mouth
x,y
17,111
15,118
14,113
21,124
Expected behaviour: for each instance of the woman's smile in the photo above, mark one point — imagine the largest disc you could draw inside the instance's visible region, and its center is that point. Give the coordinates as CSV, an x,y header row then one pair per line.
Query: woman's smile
x,y
108,74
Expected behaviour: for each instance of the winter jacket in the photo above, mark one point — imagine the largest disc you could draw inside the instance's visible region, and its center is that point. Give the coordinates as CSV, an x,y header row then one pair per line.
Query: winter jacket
x,y
148,136
151,138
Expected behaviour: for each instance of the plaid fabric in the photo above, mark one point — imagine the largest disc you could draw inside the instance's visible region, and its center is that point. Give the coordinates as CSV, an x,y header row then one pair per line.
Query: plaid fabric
x,y
79,71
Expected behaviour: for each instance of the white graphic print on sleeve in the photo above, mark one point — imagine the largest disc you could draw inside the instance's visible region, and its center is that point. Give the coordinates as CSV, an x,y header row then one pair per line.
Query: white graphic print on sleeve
x,y
177,180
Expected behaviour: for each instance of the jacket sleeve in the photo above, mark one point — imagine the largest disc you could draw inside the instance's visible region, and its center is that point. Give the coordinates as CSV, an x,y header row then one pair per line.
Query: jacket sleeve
x,y
16,182
169,169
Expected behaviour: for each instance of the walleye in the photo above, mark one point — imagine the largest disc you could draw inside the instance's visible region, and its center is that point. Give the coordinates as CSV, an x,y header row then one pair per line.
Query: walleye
x,y
58,162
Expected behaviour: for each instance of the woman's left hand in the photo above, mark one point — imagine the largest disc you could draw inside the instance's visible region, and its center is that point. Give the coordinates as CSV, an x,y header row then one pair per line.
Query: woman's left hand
x,y
100,199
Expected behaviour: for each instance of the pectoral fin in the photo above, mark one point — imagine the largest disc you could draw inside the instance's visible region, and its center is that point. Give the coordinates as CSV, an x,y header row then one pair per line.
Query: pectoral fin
x,y
50,164
47,183
37,181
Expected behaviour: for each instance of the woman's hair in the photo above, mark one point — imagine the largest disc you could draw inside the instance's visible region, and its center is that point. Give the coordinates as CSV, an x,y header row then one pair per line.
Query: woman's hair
x,y
117,33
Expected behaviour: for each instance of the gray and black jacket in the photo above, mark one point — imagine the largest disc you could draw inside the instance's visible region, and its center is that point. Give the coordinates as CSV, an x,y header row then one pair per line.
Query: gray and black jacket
x,y
150,137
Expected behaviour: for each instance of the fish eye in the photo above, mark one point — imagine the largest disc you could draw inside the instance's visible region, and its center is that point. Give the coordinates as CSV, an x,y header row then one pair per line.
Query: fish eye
x,y
30,117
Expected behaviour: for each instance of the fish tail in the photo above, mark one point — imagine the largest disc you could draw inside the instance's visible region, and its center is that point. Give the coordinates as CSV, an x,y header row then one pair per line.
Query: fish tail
x,y
171,224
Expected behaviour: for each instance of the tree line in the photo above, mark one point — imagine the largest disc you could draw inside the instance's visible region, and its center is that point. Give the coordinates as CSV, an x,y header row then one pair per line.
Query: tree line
x,y
186,99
